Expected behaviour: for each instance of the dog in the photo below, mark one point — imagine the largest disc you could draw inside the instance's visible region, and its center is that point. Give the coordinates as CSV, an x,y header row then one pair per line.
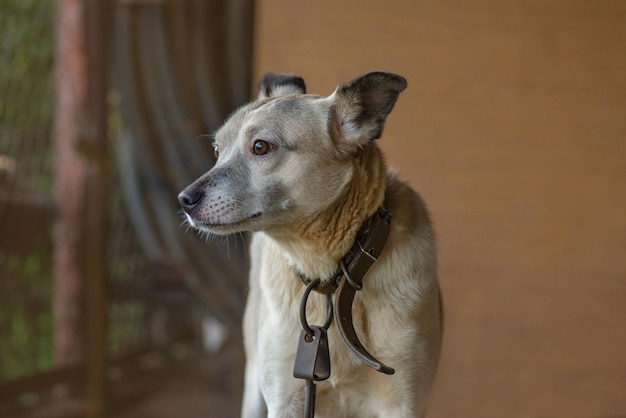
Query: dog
x,y
304,173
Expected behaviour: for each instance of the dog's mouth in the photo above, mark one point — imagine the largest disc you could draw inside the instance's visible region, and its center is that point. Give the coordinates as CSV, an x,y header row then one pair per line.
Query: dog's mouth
x,y
220,227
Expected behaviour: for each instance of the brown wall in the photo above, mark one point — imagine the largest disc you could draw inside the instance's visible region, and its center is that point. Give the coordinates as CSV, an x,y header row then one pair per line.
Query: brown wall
x,y
514,129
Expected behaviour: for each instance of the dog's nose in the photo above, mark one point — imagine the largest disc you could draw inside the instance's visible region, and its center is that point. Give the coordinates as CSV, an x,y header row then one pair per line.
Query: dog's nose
x,y
188,199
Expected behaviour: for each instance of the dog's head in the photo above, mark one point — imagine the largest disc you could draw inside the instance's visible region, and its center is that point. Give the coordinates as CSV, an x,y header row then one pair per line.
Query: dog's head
x,y
287,154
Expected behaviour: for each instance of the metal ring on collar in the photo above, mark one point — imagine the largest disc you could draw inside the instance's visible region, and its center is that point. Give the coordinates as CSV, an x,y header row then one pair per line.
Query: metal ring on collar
x,y
305,297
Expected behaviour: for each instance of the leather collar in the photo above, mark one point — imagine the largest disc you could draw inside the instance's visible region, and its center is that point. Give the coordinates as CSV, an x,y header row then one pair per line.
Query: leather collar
x,y
348,279
368,244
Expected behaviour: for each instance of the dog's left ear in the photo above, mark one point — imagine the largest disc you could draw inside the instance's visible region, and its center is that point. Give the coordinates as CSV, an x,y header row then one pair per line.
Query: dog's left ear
x,y
278,84
362,105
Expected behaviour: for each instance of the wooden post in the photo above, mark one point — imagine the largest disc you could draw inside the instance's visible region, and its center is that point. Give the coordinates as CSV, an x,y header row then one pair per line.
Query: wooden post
x,y
82,175
98,35
70,181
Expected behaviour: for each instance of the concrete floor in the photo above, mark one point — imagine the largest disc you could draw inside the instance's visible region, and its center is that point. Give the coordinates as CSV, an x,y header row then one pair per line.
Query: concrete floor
x,y
200,386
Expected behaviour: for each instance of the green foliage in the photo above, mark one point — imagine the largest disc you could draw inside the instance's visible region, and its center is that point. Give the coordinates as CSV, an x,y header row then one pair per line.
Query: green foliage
x,y
26,44
25,314
26,85
26,114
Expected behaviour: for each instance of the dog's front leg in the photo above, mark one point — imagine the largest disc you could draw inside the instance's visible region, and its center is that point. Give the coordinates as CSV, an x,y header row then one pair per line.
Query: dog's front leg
x,y
285,401
283,394
253,405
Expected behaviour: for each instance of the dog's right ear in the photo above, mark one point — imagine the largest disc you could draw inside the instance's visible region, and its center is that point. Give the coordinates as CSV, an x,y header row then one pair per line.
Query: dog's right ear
x,y
361,106
278,84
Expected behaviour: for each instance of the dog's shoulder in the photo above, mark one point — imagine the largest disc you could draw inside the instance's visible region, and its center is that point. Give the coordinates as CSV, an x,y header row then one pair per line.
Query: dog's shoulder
x,y
410,216
411,250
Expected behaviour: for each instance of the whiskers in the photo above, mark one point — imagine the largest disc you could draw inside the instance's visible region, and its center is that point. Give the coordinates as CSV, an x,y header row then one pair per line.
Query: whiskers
x,y
209,237
186,222
236,241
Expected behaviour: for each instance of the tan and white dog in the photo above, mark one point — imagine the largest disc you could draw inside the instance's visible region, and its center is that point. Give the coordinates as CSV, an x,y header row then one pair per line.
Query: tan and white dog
x,y
304,172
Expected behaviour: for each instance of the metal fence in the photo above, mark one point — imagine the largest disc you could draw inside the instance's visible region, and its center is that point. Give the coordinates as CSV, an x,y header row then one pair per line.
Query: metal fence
x,y
26,203
177,69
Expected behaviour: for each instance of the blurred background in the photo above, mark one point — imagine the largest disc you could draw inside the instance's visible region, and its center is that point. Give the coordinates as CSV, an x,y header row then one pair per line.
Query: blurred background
x,y
513,128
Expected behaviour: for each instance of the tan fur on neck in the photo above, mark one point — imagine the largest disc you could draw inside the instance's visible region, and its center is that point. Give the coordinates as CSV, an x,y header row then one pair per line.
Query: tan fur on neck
x,y
328,235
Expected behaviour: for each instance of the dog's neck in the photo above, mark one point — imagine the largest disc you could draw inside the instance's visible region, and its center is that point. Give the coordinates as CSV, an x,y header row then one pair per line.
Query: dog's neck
x,y
315,244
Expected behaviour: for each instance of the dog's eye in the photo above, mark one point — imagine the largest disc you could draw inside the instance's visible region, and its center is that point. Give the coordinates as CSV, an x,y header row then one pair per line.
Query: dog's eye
x,y
261,147
216,152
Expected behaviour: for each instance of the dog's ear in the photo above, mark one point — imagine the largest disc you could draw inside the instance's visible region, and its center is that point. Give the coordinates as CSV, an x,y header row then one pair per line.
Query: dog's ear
x,y
275,84
361,106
